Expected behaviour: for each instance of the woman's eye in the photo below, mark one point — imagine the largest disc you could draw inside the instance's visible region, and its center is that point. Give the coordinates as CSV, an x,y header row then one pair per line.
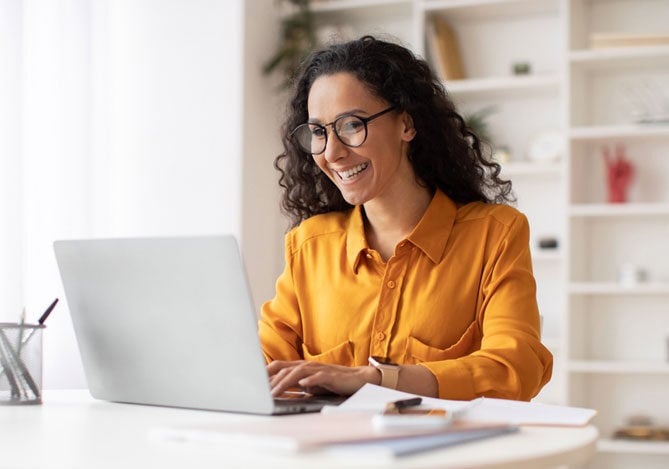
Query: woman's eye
x,y
351,126
318,132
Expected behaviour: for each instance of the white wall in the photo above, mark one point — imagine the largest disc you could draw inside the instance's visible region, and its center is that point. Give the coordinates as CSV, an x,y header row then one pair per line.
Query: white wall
x,y
117,119
10,168
175,106
263,226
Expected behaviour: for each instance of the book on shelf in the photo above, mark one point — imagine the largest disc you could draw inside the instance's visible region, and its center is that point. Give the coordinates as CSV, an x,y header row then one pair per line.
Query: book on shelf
x,y
443,50
605,40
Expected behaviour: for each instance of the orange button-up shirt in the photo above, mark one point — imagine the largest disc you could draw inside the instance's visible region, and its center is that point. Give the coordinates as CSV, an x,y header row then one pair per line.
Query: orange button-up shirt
x,y
458,297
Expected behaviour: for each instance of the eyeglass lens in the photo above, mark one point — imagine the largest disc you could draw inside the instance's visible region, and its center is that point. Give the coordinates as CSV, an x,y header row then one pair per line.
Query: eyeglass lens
x,y
312,138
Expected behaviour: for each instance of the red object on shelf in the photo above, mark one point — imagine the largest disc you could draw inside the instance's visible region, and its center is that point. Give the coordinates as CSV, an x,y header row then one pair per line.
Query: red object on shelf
x,y
619,174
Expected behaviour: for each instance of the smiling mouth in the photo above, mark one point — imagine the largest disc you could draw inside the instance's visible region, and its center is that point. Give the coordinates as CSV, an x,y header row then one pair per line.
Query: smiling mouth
x,y
353,172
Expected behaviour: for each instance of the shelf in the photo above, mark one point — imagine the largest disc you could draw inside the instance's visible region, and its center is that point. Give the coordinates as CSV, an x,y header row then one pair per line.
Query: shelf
x,y
614,288
620,56
609,132
323,6
607,445
619,210
504,85
491,8
617,367
525,168
545,255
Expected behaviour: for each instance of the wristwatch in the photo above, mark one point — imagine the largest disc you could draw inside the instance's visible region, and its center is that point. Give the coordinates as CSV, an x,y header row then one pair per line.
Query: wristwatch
x,y
390,372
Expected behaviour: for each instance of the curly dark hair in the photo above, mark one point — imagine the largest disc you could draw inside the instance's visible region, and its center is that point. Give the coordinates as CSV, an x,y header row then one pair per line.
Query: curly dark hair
x,y
445,153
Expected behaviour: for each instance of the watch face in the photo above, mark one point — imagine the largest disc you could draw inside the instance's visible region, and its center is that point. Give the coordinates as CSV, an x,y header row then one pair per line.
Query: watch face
x,y
383,360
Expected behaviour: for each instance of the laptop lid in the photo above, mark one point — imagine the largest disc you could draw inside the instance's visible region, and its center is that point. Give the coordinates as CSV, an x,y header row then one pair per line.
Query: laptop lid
x,y
166,321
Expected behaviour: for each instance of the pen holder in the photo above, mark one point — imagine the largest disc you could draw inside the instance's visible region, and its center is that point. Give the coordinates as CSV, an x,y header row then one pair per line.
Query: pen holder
x,y
20,364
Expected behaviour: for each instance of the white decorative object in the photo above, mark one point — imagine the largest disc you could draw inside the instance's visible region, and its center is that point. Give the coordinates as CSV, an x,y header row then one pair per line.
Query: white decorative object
x,y
630,275
547,145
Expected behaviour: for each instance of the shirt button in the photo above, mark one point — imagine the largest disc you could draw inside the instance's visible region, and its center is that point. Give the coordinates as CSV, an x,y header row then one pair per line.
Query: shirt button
x,y
391,284
380,336
368,255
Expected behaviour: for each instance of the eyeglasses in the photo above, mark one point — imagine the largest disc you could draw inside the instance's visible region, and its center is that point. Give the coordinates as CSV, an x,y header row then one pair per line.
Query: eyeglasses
x,y
351,130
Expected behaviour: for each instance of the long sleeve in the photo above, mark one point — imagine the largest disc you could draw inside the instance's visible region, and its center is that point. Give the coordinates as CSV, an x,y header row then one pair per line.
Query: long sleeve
x,y
458,297
511,362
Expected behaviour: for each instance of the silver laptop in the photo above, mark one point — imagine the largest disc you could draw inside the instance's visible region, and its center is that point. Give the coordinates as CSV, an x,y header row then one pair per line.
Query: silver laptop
x,y
169,322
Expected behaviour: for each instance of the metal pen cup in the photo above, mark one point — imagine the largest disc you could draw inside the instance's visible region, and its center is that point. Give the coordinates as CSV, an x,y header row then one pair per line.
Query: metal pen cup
x,y
20,363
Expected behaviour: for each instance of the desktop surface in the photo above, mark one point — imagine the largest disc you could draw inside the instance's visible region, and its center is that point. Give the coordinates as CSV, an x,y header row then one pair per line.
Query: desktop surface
x,y
72,430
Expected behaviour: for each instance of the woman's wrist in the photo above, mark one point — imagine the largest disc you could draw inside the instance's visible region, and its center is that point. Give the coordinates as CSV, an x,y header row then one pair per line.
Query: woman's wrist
x,y
371,375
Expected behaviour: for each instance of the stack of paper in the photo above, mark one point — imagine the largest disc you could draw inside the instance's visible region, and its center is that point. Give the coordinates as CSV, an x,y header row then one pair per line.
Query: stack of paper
x,y
350,426
338,431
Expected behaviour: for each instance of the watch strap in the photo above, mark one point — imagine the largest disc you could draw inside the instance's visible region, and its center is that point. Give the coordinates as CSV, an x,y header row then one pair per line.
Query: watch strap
x,y
390,373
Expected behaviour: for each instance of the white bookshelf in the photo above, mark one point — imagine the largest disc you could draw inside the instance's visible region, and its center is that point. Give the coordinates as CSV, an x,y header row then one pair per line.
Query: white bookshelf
x,y
504,84
606,445
609,341
618,367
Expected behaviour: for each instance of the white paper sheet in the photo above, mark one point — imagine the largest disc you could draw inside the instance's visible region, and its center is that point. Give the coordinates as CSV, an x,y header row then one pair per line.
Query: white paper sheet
x,y
372,398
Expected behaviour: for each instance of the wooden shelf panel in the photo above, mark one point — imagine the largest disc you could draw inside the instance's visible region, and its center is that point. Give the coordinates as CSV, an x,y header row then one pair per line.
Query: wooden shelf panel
x,y
617,367
610,132
504,84
545,255
491,8
531,169
620,56
613,288
619,210
322,6
607,445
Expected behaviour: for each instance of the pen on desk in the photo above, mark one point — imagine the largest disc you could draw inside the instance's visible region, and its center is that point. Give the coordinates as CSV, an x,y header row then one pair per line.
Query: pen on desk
x,y
402,403
394,407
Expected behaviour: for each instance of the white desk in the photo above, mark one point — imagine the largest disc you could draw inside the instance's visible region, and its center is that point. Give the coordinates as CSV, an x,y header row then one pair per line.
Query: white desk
x,y
73,431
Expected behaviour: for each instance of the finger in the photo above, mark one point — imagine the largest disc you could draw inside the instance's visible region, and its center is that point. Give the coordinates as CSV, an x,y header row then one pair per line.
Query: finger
x,y
280,375
290,377
276,365
334,380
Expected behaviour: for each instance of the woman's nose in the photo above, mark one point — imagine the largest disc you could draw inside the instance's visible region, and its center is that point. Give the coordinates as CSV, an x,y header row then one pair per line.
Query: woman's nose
x,y
334,149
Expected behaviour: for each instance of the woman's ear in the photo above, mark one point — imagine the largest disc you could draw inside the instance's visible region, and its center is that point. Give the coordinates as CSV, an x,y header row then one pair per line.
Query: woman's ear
x,y
408,130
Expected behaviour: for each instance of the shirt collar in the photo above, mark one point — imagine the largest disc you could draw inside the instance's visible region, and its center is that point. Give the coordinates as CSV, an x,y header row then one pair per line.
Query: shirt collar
x,y
430,235
433,230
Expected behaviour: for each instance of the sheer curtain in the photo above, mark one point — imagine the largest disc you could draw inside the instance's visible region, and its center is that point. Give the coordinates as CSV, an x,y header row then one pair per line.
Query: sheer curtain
x,y
44,147
116,119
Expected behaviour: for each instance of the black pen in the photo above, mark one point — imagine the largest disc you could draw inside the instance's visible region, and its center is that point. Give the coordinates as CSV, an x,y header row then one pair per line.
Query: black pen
x,y
394,407
41,320
402,403
46,313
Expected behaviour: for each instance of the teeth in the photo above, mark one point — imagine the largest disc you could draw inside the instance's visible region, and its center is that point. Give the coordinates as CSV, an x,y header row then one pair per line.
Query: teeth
x,y
348,174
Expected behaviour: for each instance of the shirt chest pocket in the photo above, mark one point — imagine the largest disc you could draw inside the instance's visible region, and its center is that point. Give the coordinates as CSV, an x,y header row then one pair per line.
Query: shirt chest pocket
x,y
341,354
418,351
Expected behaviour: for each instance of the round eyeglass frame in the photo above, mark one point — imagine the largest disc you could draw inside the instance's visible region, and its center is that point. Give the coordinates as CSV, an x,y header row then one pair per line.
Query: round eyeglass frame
x,y
304,131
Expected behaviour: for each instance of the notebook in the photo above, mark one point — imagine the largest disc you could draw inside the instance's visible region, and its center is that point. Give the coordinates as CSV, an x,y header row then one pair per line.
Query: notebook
x,y
169,322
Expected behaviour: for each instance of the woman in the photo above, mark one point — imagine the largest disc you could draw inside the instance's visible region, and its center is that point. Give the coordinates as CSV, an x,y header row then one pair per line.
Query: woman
x,y
401,246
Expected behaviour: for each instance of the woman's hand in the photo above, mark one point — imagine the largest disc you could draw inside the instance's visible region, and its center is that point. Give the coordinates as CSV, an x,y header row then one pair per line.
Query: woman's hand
x,y
319,378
